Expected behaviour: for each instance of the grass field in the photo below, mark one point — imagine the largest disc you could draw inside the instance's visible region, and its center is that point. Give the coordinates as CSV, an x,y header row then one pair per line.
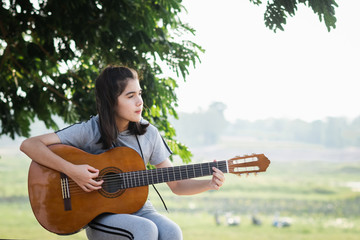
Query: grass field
x,y
318,191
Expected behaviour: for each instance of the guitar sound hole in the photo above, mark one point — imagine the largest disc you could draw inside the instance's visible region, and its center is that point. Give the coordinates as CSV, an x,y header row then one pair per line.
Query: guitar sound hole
x,y
112,185
112,182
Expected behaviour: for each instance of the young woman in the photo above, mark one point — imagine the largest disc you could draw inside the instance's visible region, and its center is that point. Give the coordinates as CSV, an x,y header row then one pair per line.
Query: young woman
x,y
118,123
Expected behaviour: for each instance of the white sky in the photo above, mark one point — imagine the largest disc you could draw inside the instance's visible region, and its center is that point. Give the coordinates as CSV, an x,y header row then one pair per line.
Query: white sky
x,y
303,72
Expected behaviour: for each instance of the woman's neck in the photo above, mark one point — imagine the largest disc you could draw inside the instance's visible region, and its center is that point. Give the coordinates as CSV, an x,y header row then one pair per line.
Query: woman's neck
x,y
122,125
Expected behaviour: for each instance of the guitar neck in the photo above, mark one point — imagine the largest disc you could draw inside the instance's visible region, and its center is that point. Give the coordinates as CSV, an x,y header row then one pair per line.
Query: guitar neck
x,y
161,175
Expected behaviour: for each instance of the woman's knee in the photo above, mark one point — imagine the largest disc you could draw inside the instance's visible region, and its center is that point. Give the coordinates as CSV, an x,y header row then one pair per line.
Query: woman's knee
x,y
146,230
170,231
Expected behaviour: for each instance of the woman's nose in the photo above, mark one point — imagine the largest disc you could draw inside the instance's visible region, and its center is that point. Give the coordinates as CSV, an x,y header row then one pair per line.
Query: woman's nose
x,y
139,101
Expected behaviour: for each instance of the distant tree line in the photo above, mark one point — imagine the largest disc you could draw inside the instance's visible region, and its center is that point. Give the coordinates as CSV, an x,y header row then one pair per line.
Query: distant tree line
x,y
334,132
206,127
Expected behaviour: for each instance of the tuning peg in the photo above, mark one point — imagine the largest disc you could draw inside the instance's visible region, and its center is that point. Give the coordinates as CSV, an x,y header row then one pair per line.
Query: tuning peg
x,y
255,173
247,174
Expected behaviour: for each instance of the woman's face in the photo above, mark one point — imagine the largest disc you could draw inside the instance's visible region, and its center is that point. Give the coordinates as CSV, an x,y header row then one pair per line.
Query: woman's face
x,y
129,105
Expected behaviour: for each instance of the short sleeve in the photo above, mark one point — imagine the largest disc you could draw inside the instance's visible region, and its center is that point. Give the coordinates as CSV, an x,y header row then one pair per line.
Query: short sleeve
x,y
84,135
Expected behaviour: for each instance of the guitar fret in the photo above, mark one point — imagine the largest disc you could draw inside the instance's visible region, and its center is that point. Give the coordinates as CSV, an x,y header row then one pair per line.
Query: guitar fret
x,y
157,177
188,170
201,170
122,176
184,172
147,177
151,177
177,173
137,179
205,169
129,180
191,171
144,182
165,176
134,178
182,169
156,171
161,174
195,172
171,174
141,179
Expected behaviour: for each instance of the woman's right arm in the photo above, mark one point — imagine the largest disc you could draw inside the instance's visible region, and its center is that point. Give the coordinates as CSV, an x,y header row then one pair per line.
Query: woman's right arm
x,y
36,148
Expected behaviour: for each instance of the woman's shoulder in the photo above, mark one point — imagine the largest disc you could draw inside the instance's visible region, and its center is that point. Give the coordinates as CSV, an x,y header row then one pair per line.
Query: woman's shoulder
x,y
84,129
151,129
92,124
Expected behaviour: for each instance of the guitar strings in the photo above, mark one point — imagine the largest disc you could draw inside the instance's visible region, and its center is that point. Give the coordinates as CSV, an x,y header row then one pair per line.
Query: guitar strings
x,y
140,175
134,179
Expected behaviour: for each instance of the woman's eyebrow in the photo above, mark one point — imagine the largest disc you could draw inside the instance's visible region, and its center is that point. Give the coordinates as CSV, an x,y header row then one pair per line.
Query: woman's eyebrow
x,y
132,92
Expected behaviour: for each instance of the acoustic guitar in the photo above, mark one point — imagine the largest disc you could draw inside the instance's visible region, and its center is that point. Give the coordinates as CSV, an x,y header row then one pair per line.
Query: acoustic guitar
x,y
62,207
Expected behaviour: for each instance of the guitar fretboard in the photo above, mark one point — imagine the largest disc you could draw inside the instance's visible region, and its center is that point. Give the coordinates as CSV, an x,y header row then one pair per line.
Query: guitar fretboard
x,y
161,175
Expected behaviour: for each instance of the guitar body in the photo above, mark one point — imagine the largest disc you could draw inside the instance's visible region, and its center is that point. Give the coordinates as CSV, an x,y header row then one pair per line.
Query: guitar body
x,y
68,215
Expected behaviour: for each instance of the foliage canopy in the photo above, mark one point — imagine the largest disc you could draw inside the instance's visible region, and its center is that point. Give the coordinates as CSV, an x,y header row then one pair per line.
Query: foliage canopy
x,y
278,10
51,51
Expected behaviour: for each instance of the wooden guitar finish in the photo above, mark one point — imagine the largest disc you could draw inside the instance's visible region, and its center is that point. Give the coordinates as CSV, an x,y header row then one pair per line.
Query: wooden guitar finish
x,y
46,198
62,207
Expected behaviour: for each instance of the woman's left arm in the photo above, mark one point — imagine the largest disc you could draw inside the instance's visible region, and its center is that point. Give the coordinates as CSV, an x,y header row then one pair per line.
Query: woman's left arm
x,y
193,186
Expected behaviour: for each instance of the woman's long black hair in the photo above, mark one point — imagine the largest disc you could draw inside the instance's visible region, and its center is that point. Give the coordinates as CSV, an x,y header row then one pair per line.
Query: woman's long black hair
x,y
109,85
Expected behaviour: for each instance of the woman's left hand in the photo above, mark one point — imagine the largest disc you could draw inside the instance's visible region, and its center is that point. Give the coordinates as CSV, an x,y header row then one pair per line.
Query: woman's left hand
x,y
217,180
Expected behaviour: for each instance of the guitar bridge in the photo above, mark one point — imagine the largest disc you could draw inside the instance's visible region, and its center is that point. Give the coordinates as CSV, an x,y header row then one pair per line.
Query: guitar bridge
x,y
65,192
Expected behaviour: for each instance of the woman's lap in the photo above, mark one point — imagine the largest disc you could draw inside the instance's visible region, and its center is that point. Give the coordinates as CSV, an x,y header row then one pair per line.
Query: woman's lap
x,y
144,224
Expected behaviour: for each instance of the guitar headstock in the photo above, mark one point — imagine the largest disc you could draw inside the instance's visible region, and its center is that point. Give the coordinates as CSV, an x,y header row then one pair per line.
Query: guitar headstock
x,y
248,164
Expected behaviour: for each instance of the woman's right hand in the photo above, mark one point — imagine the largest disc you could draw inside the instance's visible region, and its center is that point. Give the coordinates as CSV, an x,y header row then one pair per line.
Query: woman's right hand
x,y
84,176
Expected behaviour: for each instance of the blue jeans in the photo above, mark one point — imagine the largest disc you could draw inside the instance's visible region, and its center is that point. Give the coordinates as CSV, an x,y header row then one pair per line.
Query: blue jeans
x,y
145,224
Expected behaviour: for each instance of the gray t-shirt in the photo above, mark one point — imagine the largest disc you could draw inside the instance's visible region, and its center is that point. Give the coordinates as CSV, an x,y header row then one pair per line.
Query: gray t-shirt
x,y
85,136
